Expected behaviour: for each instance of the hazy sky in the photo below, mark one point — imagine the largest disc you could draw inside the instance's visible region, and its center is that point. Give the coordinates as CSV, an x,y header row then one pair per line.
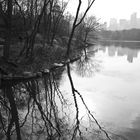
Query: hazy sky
x,y
106,9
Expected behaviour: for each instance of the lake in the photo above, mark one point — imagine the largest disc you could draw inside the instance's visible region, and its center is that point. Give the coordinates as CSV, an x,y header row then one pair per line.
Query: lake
x,y
112,87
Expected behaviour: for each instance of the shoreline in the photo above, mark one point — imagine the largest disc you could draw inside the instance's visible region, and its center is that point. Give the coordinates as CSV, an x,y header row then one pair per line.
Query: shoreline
x,y
127,41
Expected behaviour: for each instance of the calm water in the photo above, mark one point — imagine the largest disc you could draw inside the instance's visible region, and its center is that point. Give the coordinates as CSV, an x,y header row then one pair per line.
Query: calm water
x,y
113,91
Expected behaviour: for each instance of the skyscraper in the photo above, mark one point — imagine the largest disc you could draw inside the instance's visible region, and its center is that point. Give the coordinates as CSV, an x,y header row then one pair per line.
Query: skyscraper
x,y
113,24
133,20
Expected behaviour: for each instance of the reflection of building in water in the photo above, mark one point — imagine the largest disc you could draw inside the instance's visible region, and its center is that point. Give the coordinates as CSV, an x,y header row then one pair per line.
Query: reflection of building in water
x,y
103,49
120,51
112,50
131,53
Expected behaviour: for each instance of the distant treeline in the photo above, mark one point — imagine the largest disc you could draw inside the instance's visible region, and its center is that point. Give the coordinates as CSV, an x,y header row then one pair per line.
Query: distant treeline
x,y
132,34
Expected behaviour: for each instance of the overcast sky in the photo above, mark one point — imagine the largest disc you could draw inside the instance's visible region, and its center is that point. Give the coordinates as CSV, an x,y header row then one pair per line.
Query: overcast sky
x,y
106,9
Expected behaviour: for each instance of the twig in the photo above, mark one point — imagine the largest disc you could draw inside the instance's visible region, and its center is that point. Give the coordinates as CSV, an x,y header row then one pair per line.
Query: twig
x,y
92,115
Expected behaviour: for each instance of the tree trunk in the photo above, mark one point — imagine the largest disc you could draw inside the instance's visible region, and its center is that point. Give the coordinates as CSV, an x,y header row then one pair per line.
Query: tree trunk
x,y
14,111
6,50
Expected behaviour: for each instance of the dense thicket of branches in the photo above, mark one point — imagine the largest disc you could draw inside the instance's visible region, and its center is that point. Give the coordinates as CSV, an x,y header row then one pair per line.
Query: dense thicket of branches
x,y
24,19
35,35
38,20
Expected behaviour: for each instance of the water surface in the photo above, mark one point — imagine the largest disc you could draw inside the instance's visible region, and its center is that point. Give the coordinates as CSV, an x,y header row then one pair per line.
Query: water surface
x,y
113,92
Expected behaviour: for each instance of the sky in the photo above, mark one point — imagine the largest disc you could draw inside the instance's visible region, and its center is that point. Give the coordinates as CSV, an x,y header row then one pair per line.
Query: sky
x,y
106,9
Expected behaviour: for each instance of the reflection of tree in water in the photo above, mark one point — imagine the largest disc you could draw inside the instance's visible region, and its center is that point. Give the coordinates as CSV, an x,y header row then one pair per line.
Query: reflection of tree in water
x,y
87,65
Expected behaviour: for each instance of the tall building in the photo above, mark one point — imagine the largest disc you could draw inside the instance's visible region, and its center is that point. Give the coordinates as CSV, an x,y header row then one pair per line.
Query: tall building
x,y
123,24
133,20
138,23
113,24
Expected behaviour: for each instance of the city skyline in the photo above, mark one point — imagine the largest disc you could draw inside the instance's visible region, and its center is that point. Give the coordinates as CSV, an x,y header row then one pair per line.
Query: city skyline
x,y
122,24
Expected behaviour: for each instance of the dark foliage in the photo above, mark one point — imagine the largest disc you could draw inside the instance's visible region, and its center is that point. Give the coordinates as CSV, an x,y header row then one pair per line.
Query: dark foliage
x,y
131,35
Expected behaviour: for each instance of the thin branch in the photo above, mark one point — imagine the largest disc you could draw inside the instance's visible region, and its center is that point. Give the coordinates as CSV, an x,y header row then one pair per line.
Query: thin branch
x,y
14,111
1,121
73,29
92,115
75,101
32,91
89,6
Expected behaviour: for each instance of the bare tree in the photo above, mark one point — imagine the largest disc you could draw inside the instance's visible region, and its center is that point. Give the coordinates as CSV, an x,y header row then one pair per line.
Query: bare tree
x,y
91,25
30,36
57,15
77,22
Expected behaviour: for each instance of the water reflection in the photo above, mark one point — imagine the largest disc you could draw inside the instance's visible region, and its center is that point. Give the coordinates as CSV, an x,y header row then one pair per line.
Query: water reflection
x,y
116,49
122,87
113,92
128,44
87,66
134,132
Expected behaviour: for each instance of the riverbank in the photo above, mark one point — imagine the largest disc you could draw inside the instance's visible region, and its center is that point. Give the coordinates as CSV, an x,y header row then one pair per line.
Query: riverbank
x,y
122,43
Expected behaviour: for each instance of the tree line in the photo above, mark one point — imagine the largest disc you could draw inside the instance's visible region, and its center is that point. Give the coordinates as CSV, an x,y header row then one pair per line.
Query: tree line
x,y
44,20
130,35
